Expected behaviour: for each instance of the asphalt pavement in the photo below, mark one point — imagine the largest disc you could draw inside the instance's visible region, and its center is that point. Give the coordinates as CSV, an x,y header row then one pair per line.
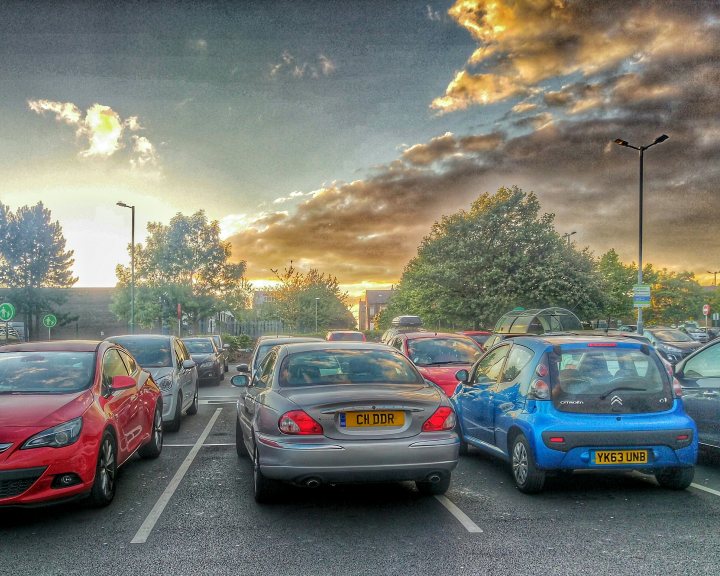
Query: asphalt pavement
x,y
191,511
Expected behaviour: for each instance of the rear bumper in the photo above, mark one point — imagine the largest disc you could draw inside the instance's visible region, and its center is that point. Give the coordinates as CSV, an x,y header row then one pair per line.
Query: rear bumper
x,y
296,460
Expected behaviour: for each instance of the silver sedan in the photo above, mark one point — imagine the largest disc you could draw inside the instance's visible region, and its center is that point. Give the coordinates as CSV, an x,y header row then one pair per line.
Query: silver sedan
x,y
334,412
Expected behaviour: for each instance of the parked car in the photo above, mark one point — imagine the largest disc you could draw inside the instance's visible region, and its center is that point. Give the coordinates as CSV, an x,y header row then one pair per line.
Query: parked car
x,y
263,346
345,335
697,334
672,343
480,336
699,376
207,358
402,325
171,366
562,403
333,412
72,413
222,348
438,355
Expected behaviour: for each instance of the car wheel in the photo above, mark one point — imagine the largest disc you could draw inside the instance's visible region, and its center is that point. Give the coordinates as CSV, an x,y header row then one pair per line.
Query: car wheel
x,y
264,489
240,447
675,478
103,490
194,406
174,424
434,488
527,477
154,446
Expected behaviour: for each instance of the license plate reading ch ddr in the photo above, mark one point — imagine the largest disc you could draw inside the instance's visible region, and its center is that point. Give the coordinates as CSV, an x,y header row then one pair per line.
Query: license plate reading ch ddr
x,y
371,419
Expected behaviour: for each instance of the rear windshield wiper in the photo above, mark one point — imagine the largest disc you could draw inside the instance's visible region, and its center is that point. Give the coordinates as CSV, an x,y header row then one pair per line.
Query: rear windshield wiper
x,y
622,388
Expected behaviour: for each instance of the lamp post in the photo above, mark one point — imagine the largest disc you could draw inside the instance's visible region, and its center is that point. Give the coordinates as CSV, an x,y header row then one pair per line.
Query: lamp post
x,y
715,273
132,267
316,314
567,236
641,149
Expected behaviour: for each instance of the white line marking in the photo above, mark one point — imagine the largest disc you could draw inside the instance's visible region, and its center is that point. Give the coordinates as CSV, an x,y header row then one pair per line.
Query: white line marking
x,y
705,489
203,446
468,524
144,532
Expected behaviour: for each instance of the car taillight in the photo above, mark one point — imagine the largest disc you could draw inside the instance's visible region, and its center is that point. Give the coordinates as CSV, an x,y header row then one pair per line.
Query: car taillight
x,y
539,390
298,422
677,388
442,419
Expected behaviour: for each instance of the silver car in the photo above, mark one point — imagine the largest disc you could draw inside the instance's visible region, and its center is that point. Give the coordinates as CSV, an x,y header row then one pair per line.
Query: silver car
x,y
334,412
263,346
171,366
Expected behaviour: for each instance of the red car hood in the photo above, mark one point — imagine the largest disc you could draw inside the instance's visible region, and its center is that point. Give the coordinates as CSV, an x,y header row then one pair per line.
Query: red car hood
x,y
443,376
42,410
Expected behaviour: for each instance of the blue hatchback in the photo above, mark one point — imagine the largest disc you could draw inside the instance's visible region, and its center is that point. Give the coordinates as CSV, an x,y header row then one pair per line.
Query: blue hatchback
x,y
563,403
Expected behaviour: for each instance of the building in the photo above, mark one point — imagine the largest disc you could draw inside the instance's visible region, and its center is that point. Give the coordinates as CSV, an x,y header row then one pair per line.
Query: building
x,y
375,301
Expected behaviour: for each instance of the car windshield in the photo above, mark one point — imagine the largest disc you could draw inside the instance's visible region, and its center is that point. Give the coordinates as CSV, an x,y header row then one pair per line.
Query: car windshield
x,y
148,352
199,346
46,372
609,379
671,336
325,367
440,351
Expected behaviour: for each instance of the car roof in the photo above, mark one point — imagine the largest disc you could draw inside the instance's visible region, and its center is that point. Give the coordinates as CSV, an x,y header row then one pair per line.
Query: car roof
x,y
144,336
429,334
559,340
291,339
54,346
334,345
344,332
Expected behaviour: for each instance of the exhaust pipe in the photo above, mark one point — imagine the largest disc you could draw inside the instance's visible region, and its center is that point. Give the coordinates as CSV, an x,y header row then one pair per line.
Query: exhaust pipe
x,y
434,478
312,483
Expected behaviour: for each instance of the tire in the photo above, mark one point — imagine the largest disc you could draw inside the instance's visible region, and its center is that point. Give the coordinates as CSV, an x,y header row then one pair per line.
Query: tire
x,y
264,489
434,489
239,442
528,478
174,424
103,489
675,478
154,446
194,406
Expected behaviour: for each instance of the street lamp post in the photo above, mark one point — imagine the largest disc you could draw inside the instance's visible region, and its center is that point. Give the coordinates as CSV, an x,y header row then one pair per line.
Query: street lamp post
x,y
715,273
641,149
567,236
316,314
132,267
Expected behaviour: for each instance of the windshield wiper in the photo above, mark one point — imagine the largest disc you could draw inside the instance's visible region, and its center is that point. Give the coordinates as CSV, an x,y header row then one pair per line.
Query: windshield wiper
x,y
622,388
448,362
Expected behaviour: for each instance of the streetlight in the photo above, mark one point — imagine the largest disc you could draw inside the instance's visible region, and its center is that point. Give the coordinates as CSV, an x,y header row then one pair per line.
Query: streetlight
x,y
567,236
715,273
316,310
132,267
640,149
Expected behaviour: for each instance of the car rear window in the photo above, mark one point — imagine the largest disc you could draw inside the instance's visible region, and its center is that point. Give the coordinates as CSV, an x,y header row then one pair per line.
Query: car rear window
x,y
346,336
46,372
149,352
608,379
199,346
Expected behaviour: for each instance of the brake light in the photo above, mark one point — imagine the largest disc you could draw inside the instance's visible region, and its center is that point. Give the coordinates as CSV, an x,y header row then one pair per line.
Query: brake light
x,y
442,419
557,439
542,370
677,388
298,422
539,390
682,437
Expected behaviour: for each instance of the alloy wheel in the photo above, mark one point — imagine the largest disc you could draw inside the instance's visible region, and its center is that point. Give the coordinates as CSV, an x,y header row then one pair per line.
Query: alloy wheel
x,y
520,463
107,468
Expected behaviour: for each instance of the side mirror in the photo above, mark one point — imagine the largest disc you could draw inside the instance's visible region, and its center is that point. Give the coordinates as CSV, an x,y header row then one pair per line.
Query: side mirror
x,y
240,380
122,383
243,368
462,376
188,364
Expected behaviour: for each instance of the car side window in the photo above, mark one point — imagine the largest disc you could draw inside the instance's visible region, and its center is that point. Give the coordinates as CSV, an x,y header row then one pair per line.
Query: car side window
x,y
130,363
112,366
704,365
517,360
489,368
263,377
397,343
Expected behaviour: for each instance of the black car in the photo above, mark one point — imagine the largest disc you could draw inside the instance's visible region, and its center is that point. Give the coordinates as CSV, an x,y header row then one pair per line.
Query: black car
x,y
673,344
699,376
207,357
222,348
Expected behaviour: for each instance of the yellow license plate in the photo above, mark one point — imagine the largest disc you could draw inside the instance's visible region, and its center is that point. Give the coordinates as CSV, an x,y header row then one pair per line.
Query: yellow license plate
x,y
372,419
621,457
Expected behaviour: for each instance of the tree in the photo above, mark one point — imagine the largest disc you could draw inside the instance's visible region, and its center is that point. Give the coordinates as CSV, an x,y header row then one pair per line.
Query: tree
x,y
32,259
182,263
618,281
476,265
298,295
674,296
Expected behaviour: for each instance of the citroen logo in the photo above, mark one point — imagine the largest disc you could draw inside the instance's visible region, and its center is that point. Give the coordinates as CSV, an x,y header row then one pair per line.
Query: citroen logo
x,y
4,447
616,400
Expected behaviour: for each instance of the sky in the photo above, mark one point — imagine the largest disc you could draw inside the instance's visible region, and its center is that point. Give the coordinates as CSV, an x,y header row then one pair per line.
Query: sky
x,y
334,134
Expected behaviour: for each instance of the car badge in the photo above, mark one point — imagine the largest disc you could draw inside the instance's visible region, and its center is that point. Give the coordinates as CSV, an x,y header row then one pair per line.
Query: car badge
x,y
616,400
4,447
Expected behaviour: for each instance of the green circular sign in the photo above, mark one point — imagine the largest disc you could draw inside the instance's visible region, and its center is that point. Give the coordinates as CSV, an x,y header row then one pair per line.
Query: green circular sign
x,y
7,311
49,320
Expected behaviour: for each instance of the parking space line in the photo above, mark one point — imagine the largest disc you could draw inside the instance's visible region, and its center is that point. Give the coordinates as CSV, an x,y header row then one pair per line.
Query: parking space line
x,y
203,446
705,489
144,532
468,524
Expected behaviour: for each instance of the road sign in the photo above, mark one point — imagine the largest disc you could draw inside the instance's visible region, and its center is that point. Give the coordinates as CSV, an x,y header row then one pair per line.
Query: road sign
x,y
641,296
7,311
49,320
706,309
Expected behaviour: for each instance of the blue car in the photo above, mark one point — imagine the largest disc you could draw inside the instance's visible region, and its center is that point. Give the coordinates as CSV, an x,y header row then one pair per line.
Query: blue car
x,y
561,403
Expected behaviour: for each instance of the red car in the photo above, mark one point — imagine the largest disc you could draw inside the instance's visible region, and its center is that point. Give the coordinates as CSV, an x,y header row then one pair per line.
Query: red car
x,y
345,336
480,336
72,413
439,355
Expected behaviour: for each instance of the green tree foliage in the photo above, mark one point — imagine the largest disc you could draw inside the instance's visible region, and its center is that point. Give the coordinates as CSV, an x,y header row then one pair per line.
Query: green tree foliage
x,y
476,265
183,263
294,301
618,281
674,297
32,259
